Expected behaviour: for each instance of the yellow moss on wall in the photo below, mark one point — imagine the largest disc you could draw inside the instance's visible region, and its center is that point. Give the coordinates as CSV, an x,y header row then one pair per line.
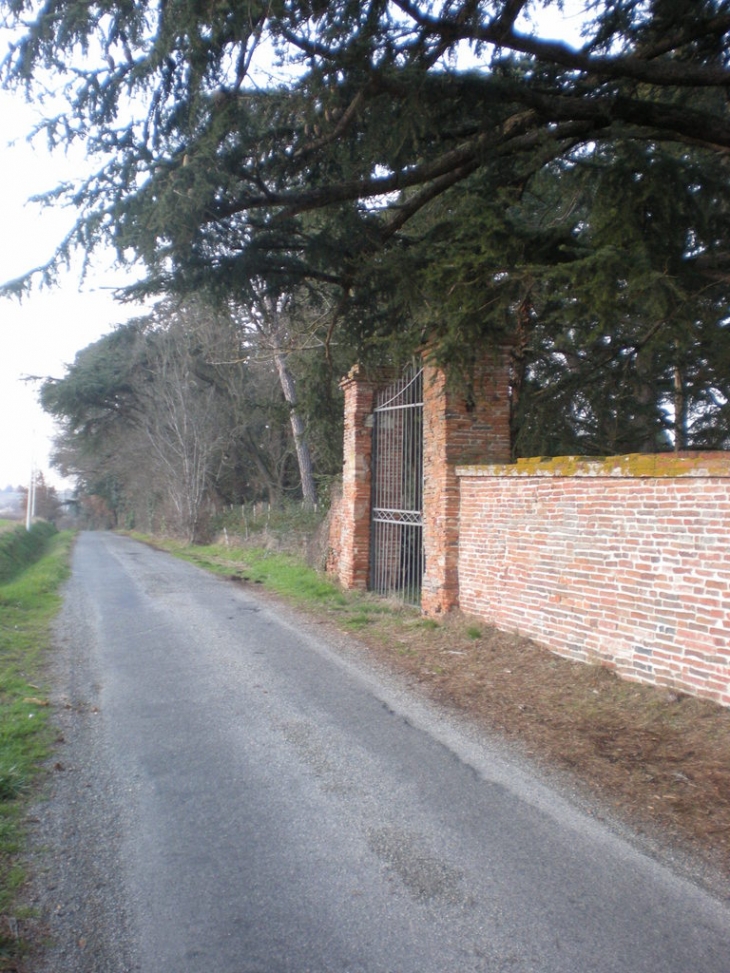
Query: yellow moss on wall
x,y
632,465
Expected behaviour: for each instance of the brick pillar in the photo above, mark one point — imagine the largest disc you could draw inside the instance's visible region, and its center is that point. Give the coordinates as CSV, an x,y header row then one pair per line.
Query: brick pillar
x,y
354,554
457,431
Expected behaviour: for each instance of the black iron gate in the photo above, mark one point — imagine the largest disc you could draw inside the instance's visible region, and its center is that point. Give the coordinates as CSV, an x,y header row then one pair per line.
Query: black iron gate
x,y
396,548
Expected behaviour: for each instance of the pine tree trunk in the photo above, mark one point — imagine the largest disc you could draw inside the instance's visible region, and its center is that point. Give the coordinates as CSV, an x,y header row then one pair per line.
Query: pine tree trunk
x,y
680,412
304,458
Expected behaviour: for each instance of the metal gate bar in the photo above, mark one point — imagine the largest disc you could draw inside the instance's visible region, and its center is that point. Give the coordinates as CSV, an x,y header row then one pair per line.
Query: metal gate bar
x,y
396,566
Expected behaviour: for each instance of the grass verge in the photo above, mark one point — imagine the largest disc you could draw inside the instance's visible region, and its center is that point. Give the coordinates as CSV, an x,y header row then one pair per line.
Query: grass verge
x,y
28,604
286,575
20,547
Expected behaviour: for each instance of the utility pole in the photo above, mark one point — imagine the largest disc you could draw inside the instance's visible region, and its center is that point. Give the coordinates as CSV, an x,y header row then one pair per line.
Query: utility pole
x,y
30,510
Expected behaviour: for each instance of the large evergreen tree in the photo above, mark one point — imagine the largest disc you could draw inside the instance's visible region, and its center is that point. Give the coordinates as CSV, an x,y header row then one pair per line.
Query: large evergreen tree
x,y
447,166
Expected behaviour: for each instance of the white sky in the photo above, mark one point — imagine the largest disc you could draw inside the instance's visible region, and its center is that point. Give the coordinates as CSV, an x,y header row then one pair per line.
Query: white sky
x,y
43,333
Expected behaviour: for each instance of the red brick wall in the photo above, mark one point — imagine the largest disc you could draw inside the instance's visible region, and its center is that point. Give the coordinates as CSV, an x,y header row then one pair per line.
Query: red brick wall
x,y
625,562
349,545
333,528
457,431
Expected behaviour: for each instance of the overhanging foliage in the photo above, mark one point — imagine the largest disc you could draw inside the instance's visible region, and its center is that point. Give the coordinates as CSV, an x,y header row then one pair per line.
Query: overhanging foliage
x,y
448,168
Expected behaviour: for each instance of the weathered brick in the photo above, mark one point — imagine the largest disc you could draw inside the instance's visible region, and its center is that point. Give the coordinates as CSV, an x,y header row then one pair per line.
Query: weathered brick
x,y
610,567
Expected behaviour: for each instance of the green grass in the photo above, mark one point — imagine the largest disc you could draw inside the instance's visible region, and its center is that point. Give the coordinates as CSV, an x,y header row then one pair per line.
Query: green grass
x,y
20,547
288,576
28,603
284,574
358,621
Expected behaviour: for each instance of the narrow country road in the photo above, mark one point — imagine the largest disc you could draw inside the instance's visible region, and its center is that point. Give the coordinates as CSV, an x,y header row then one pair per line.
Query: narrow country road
x,y
235,795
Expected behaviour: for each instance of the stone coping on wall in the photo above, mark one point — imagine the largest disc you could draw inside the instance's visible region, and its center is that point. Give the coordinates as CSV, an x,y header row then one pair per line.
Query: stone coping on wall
x,y
631,465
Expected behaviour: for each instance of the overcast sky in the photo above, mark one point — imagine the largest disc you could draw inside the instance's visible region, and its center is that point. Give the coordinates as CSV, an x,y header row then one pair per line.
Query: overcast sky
x,y
43,333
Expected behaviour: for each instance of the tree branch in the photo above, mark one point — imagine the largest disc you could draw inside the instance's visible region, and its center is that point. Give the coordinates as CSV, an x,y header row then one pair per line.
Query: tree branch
x,y
635,67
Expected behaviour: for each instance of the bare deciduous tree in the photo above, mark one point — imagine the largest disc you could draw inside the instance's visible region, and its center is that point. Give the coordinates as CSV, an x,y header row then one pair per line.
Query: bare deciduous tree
x,y
185,426
272,319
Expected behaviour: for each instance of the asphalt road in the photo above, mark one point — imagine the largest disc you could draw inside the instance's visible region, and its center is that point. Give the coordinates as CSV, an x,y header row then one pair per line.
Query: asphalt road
x,y
236,795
